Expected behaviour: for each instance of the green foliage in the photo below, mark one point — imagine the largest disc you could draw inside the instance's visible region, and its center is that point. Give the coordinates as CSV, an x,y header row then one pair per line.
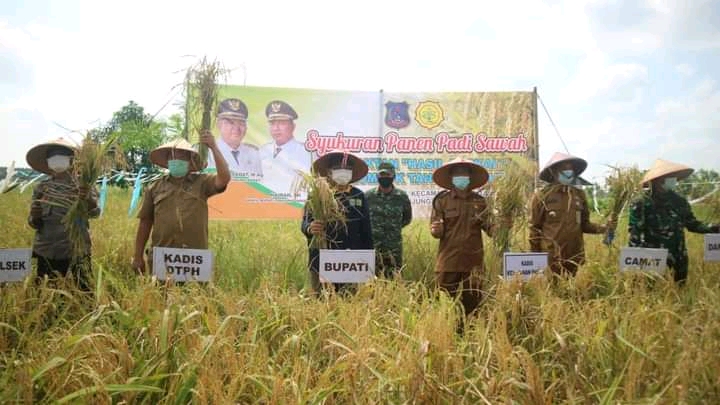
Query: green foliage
x,y
137,134
254,335
699,183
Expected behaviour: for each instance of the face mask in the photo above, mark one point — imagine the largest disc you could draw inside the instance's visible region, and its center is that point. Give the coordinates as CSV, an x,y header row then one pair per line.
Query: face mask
x,y
178,168
385,182
566,177
670,183
58,163
461,182
341,176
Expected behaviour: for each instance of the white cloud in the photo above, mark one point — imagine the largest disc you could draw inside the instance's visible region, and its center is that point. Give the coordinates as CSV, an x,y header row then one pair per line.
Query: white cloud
x,y
685,69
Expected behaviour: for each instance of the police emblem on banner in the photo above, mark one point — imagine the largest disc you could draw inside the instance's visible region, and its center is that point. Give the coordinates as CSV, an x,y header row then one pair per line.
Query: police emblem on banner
x,y
396,114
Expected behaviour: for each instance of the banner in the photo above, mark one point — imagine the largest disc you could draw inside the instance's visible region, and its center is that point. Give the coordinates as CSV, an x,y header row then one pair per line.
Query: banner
x,y
417,132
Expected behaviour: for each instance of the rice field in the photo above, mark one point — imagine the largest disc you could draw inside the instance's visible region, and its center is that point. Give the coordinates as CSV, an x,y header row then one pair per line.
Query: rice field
x,y
255,335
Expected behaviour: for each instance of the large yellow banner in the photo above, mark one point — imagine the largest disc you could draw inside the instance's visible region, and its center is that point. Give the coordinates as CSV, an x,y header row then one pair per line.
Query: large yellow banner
x,y
267,134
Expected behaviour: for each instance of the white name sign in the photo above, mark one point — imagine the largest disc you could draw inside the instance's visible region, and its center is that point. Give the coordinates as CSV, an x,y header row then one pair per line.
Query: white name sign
x,y
524,264
643,259
15,264
347,266
182,264
712,247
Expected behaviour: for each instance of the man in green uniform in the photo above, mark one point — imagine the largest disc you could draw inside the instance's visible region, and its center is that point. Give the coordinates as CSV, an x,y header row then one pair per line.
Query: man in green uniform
x,y
559,215
175,207
390,212
658,218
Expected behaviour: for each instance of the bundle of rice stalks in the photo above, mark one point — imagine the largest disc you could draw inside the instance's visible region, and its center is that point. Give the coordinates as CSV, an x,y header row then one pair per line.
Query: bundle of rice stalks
x,y
508,196
321,202
201,80
92,160
623,186
9,182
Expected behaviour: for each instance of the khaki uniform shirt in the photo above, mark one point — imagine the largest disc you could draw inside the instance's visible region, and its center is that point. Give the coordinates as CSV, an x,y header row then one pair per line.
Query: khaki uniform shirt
x,y
179,211
464,218
559,216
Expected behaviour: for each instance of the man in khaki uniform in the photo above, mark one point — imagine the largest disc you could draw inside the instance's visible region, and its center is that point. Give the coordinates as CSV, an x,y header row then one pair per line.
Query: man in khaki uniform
x,y
459,215
560,215
175,207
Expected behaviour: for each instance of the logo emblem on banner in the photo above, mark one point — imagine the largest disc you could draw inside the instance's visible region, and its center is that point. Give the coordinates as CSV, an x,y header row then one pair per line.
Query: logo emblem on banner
x,y
396,115
429,114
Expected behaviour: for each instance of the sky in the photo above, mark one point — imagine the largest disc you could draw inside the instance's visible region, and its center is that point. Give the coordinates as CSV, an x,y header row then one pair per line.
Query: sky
x,y
625,82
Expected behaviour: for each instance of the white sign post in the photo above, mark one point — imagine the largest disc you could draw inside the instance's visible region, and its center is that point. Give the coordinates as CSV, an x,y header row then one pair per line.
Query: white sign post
x,y
347,266
182,264
524,264
712,247
15,264
643,259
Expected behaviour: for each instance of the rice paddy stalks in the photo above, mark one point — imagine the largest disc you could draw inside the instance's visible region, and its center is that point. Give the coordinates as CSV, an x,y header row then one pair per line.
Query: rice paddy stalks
x,y
623,185
201,81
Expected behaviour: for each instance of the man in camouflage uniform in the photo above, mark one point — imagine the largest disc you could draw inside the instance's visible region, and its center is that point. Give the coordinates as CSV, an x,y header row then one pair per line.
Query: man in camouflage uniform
x,y
390,211
658,218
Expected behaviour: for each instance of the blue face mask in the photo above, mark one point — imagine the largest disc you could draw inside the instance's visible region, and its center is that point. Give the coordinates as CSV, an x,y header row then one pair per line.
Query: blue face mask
x,y
178,168
566,177
461,182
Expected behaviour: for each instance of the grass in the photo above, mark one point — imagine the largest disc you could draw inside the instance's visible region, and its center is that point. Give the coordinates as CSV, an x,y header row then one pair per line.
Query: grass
x,y
254,336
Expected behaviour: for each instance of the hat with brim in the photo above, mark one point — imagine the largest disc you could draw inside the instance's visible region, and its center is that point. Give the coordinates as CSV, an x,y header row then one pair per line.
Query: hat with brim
x,y
161,154
37,155
579,165
664,168
323,164
478,175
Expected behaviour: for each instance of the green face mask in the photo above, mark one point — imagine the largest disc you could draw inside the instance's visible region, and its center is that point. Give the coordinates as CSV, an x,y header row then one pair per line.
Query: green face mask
x,y
178,168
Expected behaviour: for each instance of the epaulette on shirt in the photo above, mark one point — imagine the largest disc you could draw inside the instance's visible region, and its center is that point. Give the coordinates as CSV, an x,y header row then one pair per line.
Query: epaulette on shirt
x,y
249,145
438,195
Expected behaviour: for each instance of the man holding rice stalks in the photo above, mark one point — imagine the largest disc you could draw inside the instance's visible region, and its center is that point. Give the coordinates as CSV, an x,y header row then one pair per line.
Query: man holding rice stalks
x,y
559,215
52,199
175,207
390,212
459,215
336,214
659,216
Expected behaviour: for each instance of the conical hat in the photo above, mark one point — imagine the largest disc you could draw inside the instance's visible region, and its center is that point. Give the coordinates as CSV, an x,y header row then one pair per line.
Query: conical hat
x,y
579,165
663,168
478,175
160,155
322,164
37,155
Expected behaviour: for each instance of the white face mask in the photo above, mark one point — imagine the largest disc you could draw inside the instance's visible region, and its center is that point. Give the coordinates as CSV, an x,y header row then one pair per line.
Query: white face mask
x,y
341,176
670,183
58,163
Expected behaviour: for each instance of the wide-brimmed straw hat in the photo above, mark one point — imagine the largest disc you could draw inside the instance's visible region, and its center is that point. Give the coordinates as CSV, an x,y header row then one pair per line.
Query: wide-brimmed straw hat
x,y
37,155
160,155
322,164
478,175
664,168
579,165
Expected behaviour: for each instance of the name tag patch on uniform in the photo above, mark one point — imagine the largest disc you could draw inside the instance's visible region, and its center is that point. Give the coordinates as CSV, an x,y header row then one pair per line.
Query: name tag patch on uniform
x,y
452,212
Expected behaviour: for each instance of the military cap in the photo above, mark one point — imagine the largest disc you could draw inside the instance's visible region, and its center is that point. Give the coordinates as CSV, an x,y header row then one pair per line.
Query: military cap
x,y
233,108
280,110
386,167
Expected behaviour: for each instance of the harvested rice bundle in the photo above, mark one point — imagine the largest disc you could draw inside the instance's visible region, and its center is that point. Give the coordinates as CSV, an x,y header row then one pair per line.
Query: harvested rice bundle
x,y
623,185
508,196
321,202
92,160
202,80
